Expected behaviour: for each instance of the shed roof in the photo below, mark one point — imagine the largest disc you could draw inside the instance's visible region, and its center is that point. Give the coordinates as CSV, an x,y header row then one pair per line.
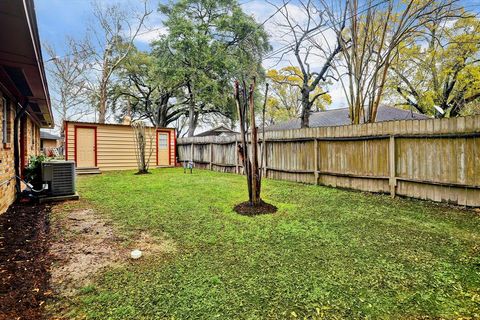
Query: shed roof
x,y
340,117
92,123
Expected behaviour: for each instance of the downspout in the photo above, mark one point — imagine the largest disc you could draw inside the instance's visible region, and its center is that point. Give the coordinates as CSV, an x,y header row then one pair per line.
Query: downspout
x,y
16,144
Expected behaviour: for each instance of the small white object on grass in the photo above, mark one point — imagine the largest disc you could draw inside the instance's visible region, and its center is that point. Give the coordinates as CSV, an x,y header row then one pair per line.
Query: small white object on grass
x,y
135,254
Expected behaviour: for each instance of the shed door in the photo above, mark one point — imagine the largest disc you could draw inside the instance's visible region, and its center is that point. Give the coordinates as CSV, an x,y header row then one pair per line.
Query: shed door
x,y
162,149
85,147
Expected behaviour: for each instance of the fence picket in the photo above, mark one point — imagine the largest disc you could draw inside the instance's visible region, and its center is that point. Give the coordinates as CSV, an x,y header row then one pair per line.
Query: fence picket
x,y
407,157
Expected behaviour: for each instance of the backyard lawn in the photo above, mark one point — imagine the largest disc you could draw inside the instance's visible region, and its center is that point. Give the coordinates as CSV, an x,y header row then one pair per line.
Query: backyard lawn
x,y
326,253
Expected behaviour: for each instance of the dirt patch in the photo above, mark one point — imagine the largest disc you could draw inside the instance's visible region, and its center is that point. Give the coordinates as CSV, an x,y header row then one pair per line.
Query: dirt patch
x,y
84,244
24,261
246,209
41,260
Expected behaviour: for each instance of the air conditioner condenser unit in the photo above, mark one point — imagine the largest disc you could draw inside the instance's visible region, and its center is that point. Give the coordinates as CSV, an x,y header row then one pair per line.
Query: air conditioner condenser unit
x,y
60,177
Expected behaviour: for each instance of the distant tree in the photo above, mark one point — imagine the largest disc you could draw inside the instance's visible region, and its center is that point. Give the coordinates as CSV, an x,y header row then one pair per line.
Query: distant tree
x,y
211,43
109,41
67,83
285,98
147,91
307,27
444,73
376,33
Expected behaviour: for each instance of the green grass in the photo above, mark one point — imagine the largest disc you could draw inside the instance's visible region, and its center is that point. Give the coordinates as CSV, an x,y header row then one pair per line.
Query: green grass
x,y
326,253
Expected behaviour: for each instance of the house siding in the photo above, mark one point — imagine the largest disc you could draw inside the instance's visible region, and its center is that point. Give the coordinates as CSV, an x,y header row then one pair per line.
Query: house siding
x,y
48,143
115,148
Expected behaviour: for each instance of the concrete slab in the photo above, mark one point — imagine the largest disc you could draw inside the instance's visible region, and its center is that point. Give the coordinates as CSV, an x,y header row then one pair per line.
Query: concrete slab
x,y
59,198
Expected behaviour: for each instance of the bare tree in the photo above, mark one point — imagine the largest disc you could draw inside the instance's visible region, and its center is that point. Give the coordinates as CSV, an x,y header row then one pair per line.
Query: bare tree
x,y
109,41
246,107
372,41
68,84
310,33
144,145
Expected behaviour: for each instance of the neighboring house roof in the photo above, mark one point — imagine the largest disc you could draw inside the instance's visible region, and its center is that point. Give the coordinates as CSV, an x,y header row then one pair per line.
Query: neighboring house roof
x,y
48,136
218,131
21,64
340,117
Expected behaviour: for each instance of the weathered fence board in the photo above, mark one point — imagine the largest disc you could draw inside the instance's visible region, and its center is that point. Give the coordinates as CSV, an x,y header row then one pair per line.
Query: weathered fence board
x,y
435,159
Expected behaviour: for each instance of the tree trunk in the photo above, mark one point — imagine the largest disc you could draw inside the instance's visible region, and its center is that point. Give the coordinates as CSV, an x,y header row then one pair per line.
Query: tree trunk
x,y
254,143
162,110
102,104
192,116
243,147
192,121
306,106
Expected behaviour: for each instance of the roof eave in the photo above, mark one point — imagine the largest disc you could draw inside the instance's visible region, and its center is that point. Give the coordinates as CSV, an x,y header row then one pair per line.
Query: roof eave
x,y
29,8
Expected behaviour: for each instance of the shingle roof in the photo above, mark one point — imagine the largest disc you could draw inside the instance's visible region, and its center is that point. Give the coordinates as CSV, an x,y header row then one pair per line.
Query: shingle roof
x,y
48,136
339,117
216,132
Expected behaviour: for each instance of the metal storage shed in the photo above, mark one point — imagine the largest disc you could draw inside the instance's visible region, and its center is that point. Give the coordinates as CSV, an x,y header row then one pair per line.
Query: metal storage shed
x,y
101,147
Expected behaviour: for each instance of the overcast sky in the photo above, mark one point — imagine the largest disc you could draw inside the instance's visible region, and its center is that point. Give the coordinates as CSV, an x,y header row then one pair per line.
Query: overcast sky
x,y
58,19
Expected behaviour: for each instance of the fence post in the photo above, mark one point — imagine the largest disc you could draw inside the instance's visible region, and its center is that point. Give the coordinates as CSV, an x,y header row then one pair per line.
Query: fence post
x,y
191,152
211,156
391,160
236,156
316,172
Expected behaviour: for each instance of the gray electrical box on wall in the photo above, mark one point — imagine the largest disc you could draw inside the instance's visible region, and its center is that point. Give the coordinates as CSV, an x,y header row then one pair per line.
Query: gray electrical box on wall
x,y
60,176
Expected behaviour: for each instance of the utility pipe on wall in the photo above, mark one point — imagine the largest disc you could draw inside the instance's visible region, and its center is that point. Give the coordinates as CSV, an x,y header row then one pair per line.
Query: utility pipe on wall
x,y
16,144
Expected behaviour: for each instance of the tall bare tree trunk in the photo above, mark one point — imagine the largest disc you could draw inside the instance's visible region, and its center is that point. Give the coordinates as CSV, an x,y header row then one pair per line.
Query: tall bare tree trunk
x,y
102,106
254,144
306,107
102,99
246,104
144,145
243,147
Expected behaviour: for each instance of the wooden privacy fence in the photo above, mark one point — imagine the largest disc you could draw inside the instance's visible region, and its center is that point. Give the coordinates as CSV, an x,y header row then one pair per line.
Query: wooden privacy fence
x,y
435,159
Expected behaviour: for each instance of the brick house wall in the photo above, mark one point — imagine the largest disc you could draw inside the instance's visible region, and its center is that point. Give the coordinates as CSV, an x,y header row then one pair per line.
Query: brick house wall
x,y
24,82
7,170
31,140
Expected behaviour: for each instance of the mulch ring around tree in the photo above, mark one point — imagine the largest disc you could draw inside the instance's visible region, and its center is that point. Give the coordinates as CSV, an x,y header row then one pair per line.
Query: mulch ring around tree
x,y
246,209
24,261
